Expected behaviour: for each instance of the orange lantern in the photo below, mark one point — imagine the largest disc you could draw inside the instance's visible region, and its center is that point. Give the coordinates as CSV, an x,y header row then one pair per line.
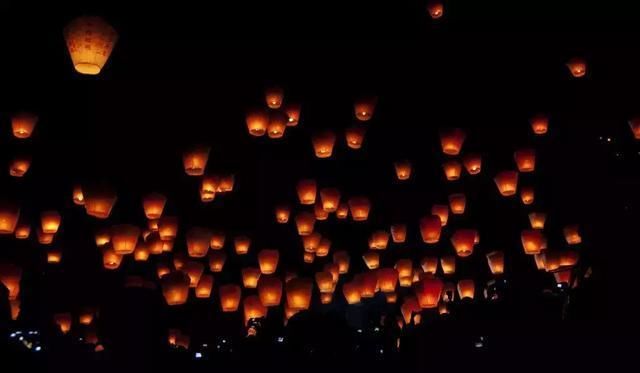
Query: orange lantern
x,y
194,270
99,201
299,293
391,298
430,227
227,182
330,198
179,259
141,253
63,321
355,136
268,261
19,166
274,97
408,308
175,288
540,261
50,221
334,269
110,259
86,316
162,269
525,160
551,261
429,264
368,284
305,222
572,235
242,244
379,240
323,143
458,203
325,283
217,260
451,141
167,245
364,107
152,224
387,279
343,210
250,277
563,276
90,41
293,114
23,124
507,182
257,121
10,276
124,238
203,290
253,309
78,196
323,248
405,272
308,257
452,170
217,240
577,67
153,205
473,163
442,309
532,241
537,220
351,292
403,170
168,227
496,262
442,212
282,214
539,124
208,187
466,289
371,259
463,241
428,292
154,244
569,258
435,9
399,233
527,195
269,290
195,160
22,231
326,298
230,297
342,259
277,125
44,238
448,264
319,212
360,208
198,241
311,242
307,190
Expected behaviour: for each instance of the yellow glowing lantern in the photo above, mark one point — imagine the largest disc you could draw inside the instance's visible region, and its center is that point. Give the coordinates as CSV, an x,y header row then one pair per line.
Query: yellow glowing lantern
x,y
429,264
343,210
274,97
323,143
195,160
351,292
572,235
458,203
19,166
525,160
153,205
496,262
452,170
537,220
323,248
257,121
253,308
634,124
360,208
430,228
466,289
442,212
428,292
448,264
311,242
141,253
63,321
277,125
168,227
324,281
23,124
282,214
463,241
342,259
198,241
217,260
250,277
451,141
54,256
268,261
208,187
242,244
435,8
379,240
577,67
78,196
10,277
175,288
99,201
330,198
532,241
90,41
299,293
354,136
307,191
22,231
473,163
527,195
305,222
124,238
539,124
269,290
110,259
399,233
507,182
293,114
371,259
403,170
217,240
387,279
364,107
50,221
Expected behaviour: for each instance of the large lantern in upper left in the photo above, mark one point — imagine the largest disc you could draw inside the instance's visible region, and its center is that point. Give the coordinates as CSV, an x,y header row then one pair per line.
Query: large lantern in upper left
x,y
90,41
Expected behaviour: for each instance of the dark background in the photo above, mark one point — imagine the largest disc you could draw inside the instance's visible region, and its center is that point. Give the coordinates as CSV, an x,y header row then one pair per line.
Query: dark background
x,y
184,74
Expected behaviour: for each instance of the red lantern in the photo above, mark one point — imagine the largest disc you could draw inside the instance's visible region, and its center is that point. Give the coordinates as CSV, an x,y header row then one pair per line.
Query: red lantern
x,y
63,320
99,201
458,203
195,160
351,292
208,187
307,191
342,259
323,248
399,233
277,125
343,210
355,136
141,253
525,160
379,240
537,220
194,270
216,261
323,143
435,8
305,222
268,261
539,124
299,293
269,290
110,259
175,288
403,170
319,212
463,241
23,125
368,284
274,97
577,67
257,121
168,227
217,240
230,297
371,259
442,212
10,276
451,141
253,309
360,208
250,277
466,289
22,231
364,107
507,182
532,241
153,205
448,264
428,292
572,235
429,264
282,214
311,242
387,279
203,290
324,281
242,244
430,227
50,221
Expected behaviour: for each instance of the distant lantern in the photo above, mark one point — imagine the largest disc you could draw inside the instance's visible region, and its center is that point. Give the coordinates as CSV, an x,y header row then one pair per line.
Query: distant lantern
x,y
293,114
551,261
299,293
90,41
472,163
405,272
323,143
326,298
634,124
428,292
334,269
532,241
569,258
430,228
368,283
435,8
44,238
307,190
319,212
379,240
54,256
408,308
195,160
371,259
268,261
403,170
217,240
429,264
153,205
198,241
10,277
458,203
179,259
324,281
23,124
99,201
525,160
308,257
162,269
451,141
257,121
540,260
323,248
343,210
124,238
253,308
250,277
203,290
496,262
563,276
269,290
537,220
342,259
452,170
364,107
466,289
448,264
360,208
577,67
19,166
217,260
351,292
387,279
572,234
277,125
208,187
22,231
167,245
539,124
242,244
141,253
63,321
527,195
354,136
507,182
168,227
110,259
330,198
50,221
463,241
442,212
399,233
175,287
274,97
311,242
78,196
282,213
86,316
305,222
194,270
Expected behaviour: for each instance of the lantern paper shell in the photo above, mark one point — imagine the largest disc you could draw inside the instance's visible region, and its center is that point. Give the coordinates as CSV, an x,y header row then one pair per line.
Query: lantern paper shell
x,y
154,244
124,238
428,292
563,276
208,187
435,9
323,143
448,264
532,241
365,107
351,292
343,210
537,220
324,281
19,166
141,253
217,260
330,198
217,240
507,182
452,170
451,141
442,212
466,289
308,257
78,196
293,114
577,67
408,308
44,238
539,124
282,214
268,261
458,203
194,270
360,208
274,96
250,277
230,297
399,233
307,191
569,258
496,262
371,259
387,279
195,160
572,235
198,241
63,321
203,290
253,308
342,259
99,201
257,121
90,41
368,284
305,222
110,259
527,195
319,212
277,125
22,231
153,205
634,124
168,227
525,160
175,288
10,277
299,293
179,259
463,241
242,244
326,298
323,248
473,164
429,264
23,124
354,136
270,290
311,242
403,170
50,221
379,240
430,228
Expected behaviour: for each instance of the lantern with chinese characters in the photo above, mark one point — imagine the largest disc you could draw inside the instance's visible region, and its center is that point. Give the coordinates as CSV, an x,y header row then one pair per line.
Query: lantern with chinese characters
x,y
90,41
250,277
23,124
448,264
577,67
293,114
473,163
532,241
442,212
305,222
50,221
269,290
268,261
463,241
342,259
537,220
403,170
330,198
354,136
458,203
466,289
307,191
99,201
527,195
194,270
572,234
198,241
364,107
110,259
78,196
253,308
203,290
242,244
175,287
153,205
452,170
19,166
124,238
360,208
399,233
435,8
371,259
496,262
323,143
274,97
299,293
379,240
451,141
507,182
230,297
430,228
168,227
539,124
257,121
216,261
195,160
387,279
282,214
525,160
63,321
428,292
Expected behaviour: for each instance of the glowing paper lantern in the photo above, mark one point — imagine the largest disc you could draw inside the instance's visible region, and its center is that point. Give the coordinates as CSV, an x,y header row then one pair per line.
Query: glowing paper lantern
x,y
364,107
405,272
23,124
428,292
525,160
451,141
319,212
305,222
563,276
343,210
354,136
175,287
179,260
473,163
277,125
532,241
153,205
208,187
268,261
217,260
307,191
250,277
334,269
50,221
282,214
168,227
466,289
22,231
124,238
351,292
408,308
10,276
162,269
274,96
403,170
539,124
342,259
269,290
537,220
442,212
78,196
435,9
463,241
569,258
448,264
399,233
452,170
387,279
63,321
293,114
217,240
99,201
326,298
110,259
44,238
507,182
572,235
368,284
429,264
308,257
311,242
323,143
323,248
430,228
371,259
330,198
242,244
324,281
194,270
379,240
299,293
577,67
195,160
203,290
198,241
458,203
253,308
257,121
90,41
360,208
527,195
496,262
141,253
19,166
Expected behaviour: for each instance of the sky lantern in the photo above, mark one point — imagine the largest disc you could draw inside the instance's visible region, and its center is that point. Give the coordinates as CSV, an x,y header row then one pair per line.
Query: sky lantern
x,y
452,170
507,182
354,136
78,196
110,259
195,160
451,141
141,253
330,198
463,241
198,241
50,221
525,160
371,259
551,261
537,220
403,169
405,272
242,244
162,269
572,234
168,227
194,270
253,308
102,237
257,120
387,279
99,201
539,124
269,290
90,41
22,231
311,242
448,264
203,290
183,341
308,257
179,259
54,256
496,262
152,225
124,238
282,213
399,233
277,125
323,143
430,228
563,276
86,316
334,269
208,187
540,261
569,258
153,204
364,107
442,212
360,208
305,222
435,9
458,203
175,288
391,298
379,240
577,67
429,264
323,248
44,238
10,276
342,259
324,281
19,166
634,124
532,241
274,97
326,298
527,195
408,308
250,277
351,292
343,210
307,190
293,114
63,321
299,293
368,284
428,292
217,260
472,163
217,240
466,289
167,245
319,212
23,124
268,261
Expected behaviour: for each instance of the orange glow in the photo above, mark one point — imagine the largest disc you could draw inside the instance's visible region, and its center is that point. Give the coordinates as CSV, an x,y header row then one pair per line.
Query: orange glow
x,y
250,277
230,297
473,163
572,235
458,203
111,260
399,233
217,260
141,253
463,241
19,166
466,289
217,240
537,220
22,231
448,264
364,108
430,228
435,9
428,292
153,205
175,287
403,170
54,256
253,308
270,290
242,244
507,182
293,114
442,212
343,210
299,293
323,248
326,298
277,125
452,170
208,187
451,141
50,221
78,196
23,125
305,222
527,195
307,190
311,242
308,257
319,212
577,67
268,261
324,281
379,240
342,259
532,241
63,321
10,277
330,198
351,292
360,208
124,238
168,227
496,262
274,97
282,214
525,160
429,264
99,201
323,143
368,283
195,160
371,259
387,279
90,41
634,124
257,121
44,238
539,124
198,241
354,136
203,290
